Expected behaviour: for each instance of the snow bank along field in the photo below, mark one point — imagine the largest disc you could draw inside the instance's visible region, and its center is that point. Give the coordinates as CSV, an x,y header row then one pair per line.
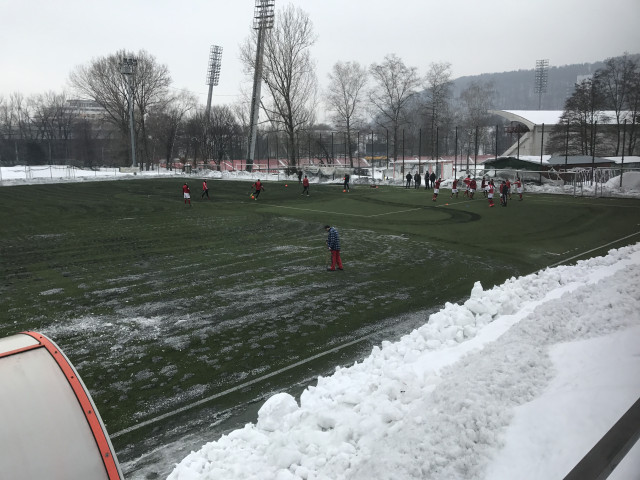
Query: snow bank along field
x,y
517,381
520,381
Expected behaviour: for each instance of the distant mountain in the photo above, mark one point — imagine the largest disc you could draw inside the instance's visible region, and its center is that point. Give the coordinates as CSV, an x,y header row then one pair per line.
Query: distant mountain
x,y
516,90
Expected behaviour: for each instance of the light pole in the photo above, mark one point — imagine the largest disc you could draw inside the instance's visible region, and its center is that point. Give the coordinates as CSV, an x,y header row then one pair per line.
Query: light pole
x,y
128,69
542,75
213,73
262,20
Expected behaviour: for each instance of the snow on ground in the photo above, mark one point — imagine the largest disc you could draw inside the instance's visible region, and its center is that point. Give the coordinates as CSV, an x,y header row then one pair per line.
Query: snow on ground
x,y
520,381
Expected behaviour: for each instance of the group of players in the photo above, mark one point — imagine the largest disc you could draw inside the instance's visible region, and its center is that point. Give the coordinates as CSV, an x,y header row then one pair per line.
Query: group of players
x,y
487,187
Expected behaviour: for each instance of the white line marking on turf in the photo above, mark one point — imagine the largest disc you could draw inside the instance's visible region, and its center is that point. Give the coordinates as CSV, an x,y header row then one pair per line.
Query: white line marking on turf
x,y
353,214
541,200
236,388
592,250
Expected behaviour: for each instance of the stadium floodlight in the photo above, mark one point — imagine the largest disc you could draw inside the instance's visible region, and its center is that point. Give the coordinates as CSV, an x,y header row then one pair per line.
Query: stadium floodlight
x,y
213,72
215,60
263,19
542,75
263,14
128,70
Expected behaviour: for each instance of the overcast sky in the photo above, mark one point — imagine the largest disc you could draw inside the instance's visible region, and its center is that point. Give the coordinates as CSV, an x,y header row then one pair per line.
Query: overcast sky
x,y
43,40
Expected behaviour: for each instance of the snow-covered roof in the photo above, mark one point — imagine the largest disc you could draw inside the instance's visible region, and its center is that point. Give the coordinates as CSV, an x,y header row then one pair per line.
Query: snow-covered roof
x,y
531,118
627,159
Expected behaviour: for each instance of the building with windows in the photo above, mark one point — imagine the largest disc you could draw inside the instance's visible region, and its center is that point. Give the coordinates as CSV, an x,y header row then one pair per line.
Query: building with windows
x,y
88,109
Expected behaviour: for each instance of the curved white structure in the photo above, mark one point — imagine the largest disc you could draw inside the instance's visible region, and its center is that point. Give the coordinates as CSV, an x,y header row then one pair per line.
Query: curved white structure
x,y
49,426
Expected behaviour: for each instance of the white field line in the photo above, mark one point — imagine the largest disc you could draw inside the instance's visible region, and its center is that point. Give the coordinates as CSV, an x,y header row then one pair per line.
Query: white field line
x,y
592,250
236,388
537,200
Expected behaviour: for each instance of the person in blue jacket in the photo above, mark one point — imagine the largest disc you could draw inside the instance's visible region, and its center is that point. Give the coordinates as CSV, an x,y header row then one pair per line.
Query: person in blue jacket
x,y
333,242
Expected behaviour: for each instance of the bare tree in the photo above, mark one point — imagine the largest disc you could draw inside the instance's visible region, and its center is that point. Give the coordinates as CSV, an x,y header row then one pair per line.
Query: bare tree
x,y
102,81
582,110
223,128
395,85
474,103
288,73
165,121
345,97
438,93
55,118
615,82
633,107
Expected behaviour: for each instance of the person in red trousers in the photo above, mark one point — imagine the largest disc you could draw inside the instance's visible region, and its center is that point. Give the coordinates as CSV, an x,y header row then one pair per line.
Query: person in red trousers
x,y
333,242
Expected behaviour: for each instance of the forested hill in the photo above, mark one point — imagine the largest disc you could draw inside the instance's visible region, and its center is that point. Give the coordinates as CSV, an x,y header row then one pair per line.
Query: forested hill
x,y
516,90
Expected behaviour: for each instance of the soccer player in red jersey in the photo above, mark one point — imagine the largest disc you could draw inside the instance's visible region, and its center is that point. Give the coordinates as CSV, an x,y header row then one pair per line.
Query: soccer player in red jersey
x,y
490,193
186,193
436,189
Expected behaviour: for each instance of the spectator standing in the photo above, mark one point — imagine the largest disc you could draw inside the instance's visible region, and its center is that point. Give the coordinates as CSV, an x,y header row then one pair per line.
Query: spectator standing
x,y
418,180
432,177
333,243
409,177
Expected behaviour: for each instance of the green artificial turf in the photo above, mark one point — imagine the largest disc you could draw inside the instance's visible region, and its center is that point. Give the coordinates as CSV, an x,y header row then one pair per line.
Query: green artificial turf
x,y
159,305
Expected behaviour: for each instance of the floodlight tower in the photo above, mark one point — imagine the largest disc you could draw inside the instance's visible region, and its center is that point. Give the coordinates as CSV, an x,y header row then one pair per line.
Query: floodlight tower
x,y
128,70
262,20
542,75
213,73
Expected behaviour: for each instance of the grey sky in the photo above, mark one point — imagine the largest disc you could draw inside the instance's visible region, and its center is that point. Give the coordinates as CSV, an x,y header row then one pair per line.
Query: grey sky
x,y
43,40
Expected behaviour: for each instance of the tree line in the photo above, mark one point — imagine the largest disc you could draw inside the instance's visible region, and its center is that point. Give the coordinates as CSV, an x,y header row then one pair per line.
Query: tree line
x,y
390,98
601,116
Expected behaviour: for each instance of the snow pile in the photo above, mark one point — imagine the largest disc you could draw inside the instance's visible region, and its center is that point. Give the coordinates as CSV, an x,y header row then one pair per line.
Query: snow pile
x,y
459,396
630,182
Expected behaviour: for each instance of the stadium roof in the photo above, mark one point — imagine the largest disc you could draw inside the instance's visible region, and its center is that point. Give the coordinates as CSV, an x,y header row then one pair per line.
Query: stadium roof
x,y
531,118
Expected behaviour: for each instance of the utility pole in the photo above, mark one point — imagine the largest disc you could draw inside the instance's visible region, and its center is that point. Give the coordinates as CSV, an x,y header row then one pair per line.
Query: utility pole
x,y
263,18
128,70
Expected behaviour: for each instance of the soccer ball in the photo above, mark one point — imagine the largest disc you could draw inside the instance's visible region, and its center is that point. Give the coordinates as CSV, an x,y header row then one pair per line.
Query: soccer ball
x,y
343,191
286,185
252,197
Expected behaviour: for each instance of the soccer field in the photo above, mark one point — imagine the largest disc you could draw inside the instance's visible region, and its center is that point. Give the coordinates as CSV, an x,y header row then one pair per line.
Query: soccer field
x,y
180,319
